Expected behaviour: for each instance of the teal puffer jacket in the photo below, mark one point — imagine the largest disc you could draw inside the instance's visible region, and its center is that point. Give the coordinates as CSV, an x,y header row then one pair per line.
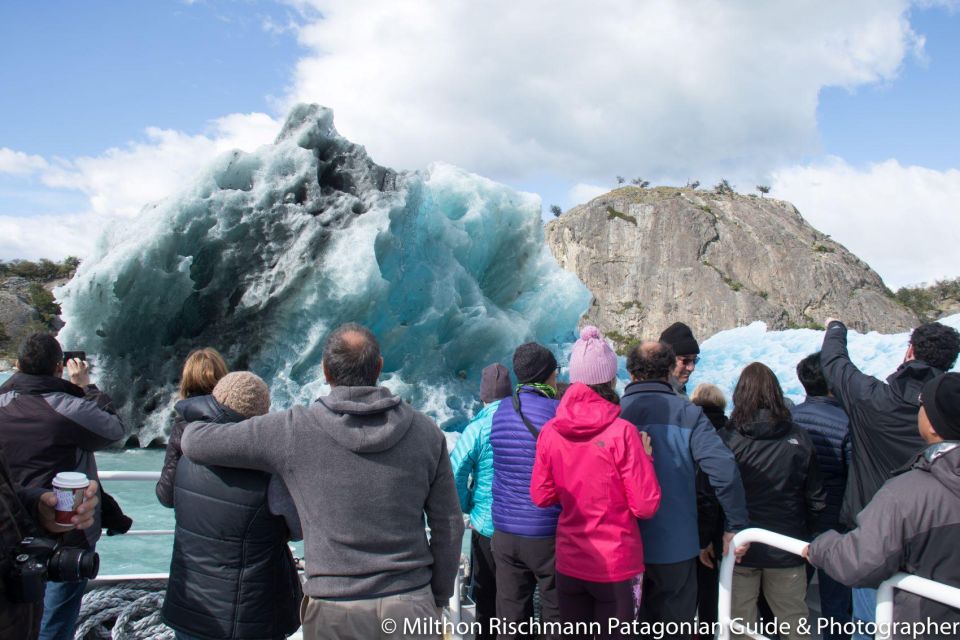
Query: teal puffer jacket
x,y
473,456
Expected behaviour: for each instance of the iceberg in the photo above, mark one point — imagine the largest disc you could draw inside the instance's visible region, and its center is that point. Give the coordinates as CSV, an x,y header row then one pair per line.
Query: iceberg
x,y
724,355
265,252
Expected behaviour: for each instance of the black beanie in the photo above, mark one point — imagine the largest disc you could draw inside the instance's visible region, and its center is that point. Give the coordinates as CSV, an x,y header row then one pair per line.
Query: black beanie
x,y
533,362
941,401
680,337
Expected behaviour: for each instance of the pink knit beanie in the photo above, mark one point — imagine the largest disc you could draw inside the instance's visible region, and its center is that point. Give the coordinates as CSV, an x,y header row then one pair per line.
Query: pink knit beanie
x,y
592,360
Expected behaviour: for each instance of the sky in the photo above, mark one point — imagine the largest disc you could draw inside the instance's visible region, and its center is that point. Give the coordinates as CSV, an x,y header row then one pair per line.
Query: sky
x,y
846,109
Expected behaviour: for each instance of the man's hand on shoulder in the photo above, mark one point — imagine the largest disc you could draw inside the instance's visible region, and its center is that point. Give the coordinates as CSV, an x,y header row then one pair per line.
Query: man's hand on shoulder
x,y
46,510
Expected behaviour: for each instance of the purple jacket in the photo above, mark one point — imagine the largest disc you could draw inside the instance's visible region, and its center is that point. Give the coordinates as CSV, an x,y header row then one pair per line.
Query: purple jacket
x,y
514,450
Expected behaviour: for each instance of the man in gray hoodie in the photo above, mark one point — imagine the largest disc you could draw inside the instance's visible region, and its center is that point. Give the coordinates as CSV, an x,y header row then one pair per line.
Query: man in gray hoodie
x,y
363,467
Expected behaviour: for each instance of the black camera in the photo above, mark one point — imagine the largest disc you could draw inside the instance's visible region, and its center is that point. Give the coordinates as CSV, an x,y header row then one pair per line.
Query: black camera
x,y
36,560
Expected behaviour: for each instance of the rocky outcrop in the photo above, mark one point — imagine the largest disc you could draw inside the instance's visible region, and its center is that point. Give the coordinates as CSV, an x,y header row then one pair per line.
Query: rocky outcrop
x,y
715,261
18,317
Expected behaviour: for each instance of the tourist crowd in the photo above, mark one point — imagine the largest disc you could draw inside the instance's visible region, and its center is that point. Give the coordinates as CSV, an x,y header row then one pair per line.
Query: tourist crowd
x,y
586,503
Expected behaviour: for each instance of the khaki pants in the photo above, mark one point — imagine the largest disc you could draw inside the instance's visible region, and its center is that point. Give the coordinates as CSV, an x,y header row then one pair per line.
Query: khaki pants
x,y
407,615
785,591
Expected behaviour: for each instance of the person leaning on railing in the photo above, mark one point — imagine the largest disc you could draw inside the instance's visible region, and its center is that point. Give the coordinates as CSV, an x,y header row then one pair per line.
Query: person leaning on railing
x,y
912,524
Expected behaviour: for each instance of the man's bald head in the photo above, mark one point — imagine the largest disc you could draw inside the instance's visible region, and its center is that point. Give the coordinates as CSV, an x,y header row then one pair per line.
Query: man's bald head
x,y
351,357
651,360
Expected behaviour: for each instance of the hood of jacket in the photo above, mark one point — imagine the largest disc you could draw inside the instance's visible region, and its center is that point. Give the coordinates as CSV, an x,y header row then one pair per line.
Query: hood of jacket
x,y
763,427
942,460
29,384
909,378
206,409
365,419
583,413
716,416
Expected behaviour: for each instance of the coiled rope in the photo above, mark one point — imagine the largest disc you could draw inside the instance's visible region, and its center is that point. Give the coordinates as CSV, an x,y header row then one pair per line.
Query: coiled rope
x,y
127,611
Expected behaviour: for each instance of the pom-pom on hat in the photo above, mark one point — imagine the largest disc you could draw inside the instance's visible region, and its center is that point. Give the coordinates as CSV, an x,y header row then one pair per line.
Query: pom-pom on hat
x,y
533,362
941,401
592,360
243,392
680,337
495,383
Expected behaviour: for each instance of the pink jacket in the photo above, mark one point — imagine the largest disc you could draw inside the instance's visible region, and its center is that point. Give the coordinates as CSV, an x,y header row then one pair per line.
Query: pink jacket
x,y
592,463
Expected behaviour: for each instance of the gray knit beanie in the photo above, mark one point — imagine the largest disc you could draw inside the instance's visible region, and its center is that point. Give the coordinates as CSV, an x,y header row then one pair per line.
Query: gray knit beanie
x,y
495,383
243,392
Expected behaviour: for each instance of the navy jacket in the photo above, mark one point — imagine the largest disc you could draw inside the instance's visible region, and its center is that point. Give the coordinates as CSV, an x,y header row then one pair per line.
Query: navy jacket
x,y
683,439
883,418
827,424
514,450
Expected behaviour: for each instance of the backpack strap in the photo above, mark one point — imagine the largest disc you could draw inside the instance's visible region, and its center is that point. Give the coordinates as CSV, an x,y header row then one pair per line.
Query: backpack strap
x,y
516,407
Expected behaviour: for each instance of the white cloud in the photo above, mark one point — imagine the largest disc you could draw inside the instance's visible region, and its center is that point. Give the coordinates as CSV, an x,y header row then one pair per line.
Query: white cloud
x,y
19,163
574,93
591,88
120,181
581,193
903,221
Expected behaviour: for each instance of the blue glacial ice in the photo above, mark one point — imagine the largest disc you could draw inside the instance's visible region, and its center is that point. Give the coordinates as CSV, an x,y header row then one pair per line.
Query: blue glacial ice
x,y
723,356
265,252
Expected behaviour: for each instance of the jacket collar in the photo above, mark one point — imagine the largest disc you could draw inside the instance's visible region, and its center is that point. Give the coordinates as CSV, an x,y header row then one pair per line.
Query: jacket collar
x,y
649,386
762,427
909,378
206,409
823,400
29,384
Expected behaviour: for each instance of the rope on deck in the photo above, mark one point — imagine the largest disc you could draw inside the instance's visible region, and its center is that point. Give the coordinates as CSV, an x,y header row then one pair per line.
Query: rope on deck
x,y
128,611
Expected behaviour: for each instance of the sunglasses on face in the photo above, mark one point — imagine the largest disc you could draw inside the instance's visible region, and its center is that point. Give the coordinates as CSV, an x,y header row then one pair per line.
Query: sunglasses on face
x,y
689,360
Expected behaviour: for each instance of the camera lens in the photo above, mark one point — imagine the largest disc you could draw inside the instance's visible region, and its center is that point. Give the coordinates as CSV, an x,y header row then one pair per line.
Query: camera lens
x,y
72,565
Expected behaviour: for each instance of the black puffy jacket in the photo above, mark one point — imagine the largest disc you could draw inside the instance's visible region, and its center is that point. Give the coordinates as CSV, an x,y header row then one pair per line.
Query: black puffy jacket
x,y
883,418
827,424
232,573
782,480
203,405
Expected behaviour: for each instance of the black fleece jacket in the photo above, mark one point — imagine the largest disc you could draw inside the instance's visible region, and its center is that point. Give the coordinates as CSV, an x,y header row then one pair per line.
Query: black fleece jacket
x,y
785,493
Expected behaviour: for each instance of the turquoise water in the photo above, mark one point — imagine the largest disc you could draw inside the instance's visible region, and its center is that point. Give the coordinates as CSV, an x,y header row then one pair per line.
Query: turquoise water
x,y
139,554
136,554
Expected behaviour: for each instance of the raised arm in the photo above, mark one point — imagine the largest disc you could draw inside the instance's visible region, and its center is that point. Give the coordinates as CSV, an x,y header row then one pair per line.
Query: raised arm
x,y
719,465
98,426
846,381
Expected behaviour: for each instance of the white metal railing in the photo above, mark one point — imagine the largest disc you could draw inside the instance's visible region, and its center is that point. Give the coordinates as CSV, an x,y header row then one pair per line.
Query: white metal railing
x,y
884,612
454,607
914,584
747,536
137,476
